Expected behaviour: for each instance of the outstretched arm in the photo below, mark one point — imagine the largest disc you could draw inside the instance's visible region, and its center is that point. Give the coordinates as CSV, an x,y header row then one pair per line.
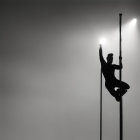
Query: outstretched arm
x,y
119,66
101,55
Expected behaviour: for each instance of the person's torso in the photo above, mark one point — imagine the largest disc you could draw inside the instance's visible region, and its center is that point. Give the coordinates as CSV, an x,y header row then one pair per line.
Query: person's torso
x,y
108,71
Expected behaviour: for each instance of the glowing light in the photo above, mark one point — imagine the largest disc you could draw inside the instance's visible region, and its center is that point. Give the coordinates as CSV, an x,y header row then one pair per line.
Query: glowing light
x,y
133,21
103,41
130,36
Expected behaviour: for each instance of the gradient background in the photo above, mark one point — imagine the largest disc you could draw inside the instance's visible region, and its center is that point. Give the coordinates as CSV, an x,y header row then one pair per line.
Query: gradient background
x,y
50,70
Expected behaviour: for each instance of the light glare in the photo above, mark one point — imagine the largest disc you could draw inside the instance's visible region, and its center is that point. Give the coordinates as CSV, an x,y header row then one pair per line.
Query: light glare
x,y
133,21
102,41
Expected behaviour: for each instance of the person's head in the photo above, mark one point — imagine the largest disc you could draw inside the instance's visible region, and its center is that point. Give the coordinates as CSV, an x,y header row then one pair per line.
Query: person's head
x,y
110,58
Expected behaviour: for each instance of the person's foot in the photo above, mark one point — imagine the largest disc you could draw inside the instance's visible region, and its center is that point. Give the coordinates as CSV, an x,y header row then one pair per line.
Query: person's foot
x,y
118,98
120,93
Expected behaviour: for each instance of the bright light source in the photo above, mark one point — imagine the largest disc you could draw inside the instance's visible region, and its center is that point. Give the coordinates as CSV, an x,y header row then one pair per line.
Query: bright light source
x,y
102,41
130,36
133,21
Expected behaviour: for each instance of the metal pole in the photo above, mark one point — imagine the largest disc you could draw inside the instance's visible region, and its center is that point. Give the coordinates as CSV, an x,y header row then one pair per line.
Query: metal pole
x,y
101,105
120,78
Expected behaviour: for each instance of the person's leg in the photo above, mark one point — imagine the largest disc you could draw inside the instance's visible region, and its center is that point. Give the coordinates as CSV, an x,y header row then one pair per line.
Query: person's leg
x,y
110,89
115,93
123,87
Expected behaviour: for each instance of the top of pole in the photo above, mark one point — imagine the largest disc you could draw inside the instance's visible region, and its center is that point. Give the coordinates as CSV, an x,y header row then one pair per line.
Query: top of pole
x,y
120,14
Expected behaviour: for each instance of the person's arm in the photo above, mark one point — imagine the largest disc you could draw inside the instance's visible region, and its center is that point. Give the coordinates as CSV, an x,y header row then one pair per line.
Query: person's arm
x,y
101,55
118,67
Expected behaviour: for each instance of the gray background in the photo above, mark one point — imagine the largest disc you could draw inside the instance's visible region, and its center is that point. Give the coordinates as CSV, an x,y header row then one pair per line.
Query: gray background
x,y
50,70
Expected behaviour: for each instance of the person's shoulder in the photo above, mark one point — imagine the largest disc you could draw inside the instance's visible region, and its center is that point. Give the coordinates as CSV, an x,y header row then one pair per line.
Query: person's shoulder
x,y
104,63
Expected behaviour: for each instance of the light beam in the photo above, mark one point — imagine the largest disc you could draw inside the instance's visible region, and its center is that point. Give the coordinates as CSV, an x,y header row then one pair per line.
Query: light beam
x,y
133,21
130,36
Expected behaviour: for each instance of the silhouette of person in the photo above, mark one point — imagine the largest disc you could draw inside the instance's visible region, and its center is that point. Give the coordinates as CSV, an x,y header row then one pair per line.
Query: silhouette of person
x,y
116,87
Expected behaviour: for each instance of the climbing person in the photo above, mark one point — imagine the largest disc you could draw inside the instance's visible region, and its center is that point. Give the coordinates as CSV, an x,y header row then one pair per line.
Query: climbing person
x,y
116,87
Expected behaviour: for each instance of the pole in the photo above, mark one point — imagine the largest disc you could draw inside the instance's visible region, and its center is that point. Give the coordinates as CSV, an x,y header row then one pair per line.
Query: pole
x,y
101,105
120,78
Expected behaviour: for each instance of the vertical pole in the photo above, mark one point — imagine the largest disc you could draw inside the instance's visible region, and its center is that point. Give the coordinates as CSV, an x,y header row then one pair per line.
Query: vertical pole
x,y
120,78
101,105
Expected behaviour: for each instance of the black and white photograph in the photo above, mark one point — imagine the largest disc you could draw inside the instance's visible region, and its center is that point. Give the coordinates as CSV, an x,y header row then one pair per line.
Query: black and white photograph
x,y
70,70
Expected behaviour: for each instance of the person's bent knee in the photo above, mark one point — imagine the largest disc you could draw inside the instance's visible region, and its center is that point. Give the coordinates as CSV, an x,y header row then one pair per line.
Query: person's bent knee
x,y
128,87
